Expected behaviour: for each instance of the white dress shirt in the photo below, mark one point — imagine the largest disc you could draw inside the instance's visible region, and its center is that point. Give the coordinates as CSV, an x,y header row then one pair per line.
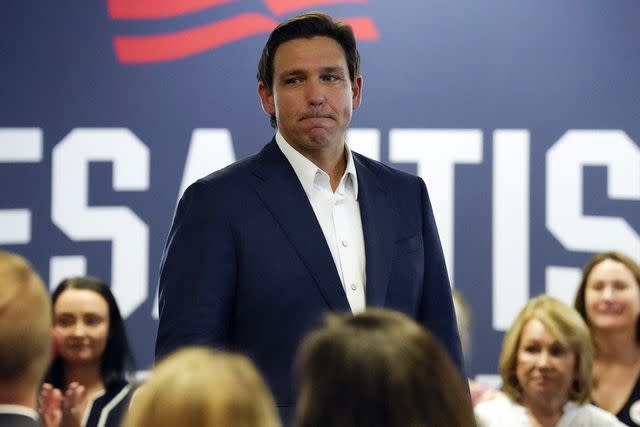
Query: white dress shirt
x,y
339,217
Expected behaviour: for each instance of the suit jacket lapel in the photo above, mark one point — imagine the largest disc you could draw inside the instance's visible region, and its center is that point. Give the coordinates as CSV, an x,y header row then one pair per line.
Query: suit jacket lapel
x,y
377,220
279,188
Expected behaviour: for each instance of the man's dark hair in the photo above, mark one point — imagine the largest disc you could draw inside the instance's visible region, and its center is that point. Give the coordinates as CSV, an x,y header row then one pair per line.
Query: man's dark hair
x,y
306,26
117,359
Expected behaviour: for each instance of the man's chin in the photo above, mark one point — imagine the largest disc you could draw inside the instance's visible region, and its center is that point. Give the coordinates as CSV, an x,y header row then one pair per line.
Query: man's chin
x,y
320,137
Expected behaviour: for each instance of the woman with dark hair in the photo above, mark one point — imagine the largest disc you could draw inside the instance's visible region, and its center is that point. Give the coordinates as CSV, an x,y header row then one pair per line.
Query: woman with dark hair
x,y
378,368
608,299
93,357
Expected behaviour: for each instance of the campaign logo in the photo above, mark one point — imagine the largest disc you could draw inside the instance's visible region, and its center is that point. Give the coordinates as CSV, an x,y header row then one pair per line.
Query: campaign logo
x,y
174,45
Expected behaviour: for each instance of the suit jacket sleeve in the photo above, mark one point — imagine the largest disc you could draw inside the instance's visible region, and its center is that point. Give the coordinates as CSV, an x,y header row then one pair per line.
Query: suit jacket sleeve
x,y
436,305
197,274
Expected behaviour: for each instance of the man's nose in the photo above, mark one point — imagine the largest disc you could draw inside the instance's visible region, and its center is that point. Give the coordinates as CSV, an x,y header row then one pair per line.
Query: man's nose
x,y
315,92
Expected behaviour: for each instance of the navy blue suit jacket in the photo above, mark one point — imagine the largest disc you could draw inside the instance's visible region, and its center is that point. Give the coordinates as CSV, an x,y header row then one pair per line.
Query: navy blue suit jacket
x,y
246,266
17,420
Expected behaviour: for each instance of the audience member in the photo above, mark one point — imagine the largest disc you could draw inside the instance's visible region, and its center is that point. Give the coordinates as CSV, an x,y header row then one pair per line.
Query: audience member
x,y
199,387
93,356
25,340
545,366
479,392
609,300
378,368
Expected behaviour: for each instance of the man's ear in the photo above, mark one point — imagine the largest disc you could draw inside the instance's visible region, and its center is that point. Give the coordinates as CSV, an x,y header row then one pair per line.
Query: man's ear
x,y
356,89
266,99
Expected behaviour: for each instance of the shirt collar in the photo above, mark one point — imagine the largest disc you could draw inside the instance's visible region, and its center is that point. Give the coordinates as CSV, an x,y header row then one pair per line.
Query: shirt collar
x,y
19,410
306,170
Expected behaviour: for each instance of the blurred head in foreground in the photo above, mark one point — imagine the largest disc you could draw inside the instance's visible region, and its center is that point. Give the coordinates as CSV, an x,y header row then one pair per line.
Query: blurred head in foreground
x,y
25,330
378,368
199,387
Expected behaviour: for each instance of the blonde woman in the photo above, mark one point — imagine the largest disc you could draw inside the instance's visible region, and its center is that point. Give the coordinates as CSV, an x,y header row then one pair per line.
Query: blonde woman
x,y
199,387
545,367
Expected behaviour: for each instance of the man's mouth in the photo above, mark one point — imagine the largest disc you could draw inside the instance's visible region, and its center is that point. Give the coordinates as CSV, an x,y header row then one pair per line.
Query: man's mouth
x,y
316,116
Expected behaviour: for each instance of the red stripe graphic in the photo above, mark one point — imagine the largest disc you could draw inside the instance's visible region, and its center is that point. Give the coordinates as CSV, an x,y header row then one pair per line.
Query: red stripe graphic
x,y
280,7
363,28
156,9
180,44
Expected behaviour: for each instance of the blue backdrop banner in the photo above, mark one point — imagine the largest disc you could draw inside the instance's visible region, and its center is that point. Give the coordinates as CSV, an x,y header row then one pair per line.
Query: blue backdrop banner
x,y
523,117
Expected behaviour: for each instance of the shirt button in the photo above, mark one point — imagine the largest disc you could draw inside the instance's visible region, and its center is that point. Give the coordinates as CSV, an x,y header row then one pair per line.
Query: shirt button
x,y
353,287
345,243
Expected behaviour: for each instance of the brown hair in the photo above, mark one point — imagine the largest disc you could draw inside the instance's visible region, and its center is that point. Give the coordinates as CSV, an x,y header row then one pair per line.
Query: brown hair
x,y
25,321
199,387
378,368
306,26
566,325
579,302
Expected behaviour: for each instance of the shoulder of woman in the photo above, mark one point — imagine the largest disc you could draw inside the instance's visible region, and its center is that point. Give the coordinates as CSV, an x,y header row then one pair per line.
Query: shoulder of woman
x,y
598,415
501,411
497,406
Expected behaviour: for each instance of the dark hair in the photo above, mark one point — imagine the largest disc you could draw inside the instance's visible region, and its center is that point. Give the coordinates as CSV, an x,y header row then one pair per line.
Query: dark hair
x,y
306,26
117,361
378,369
579,302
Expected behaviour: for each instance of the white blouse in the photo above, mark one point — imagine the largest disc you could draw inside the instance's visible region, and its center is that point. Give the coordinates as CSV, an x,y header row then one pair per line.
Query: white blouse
x,y
503,412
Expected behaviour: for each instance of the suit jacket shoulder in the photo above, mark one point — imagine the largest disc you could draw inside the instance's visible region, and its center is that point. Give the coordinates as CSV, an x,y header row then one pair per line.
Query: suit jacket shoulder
x,y
383,172
17,420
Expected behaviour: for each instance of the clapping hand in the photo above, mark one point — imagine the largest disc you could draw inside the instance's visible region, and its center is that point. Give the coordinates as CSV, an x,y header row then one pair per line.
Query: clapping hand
x,y
57,410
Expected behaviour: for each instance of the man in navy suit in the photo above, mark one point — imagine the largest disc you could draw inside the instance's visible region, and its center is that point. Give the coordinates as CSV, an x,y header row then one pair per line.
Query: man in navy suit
x,y
258,251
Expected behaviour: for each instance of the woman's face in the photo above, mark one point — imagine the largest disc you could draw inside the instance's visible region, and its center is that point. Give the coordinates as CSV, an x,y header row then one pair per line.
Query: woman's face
x,y
544,367
81,319
612,297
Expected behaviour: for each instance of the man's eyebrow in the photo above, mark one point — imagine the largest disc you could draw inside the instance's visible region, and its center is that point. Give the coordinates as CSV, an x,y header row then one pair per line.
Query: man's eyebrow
x,y
293,72
299,71
335,69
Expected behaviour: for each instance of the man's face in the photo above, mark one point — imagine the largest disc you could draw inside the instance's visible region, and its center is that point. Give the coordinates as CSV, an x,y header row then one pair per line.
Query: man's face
x,y
312,95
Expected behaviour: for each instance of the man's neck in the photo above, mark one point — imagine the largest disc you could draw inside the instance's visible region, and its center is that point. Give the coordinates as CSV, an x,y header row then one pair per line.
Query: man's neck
x,y
15,393
331,159
336,170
